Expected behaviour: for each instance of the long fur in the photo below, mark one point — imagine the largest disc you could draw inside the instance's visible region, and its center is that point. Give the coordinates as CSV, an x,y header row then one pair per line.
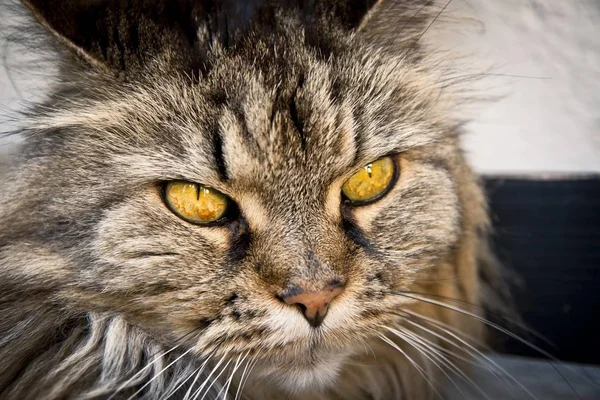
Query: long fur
x,y
104,293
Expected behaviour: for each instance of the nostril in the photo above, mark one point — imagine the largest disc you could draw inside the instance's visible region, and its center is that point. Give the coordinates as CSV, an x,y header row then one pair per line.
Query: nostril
x,y
302,307
312,304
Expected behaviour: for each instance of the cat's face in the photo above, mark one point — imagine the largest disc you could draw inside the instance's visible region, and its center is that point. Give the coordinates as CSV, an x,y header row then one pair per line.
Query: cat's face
x,y
278,130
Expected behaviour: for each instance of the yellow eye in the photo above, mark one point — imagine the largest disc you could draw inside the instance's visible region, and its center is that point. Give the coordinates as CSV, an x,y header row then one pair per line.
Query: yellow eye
x,y
371,182
195,203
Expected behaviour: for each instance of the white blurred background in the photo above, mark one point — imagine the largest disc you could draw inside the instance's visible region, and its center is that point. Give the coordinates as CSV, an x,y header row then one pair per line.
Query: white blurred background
x,y
547,120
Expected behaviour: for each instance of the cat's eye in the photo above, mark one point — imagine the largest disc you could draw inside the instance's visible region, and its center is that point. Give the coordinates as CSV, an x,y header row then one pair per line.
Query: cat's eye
x,y
194,202
371,183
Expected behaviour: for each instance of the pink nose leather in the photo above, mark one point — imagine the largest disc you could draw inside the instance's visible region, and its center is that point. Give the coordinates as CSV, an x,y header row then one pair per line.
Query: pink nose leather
x,y
314,305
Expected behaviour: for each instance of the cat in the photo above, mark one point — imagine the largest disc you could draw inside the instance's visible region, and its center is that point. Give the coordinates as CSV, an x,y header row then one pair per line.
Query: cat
x,y
259,200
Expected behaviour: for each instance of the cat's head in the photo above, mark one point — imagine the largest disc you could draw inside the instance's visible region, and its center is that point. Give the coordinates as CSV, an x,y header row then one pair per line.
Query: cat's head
x,y
257,181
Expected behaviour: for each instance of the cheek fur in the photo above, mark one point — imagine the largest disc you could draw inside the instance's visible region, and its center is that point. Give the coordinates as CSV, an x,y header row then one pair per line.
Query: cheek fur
x,y
142,249
102,288
420,215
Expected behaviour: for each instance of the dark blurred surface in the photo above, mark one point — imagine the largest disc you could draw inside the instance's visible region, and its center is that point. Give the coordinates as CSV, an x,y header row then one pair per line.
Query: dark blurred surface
x,y
548,232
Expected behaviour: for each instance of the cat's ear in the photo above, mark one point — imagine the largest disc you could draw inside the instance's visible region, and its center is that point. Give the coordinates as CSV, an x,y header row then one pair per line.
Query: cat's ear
x,y
122,35
398,23
350,13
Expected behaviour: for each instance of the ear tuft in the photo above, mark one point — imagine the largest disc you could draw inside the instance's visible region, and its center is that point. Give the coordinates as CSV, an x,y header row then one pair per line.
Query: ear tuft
x,y
398,23
350,13
130,36
120,35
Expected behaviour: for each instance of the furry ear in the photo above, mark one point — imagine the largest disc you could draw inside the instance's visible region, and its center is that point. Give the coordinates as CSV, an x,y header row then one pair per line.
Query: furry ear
x,y
398,23
124,35
130,36
349,12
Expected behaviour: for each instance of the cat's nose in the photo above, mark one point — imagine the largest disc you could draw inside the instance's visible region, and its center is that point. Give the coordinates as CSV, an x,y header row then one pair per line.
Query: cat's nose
x,y
313,304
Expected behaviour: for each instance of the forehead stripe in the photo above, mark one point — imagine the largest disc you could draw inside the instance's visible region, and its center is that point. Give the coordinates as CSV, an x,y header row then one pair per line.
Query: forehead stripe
x,y
218,154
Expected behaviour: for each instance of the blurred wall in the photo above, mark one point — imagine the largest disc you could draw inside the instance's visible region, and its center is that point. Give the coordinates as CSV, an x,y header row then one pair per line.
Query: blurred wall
x,y
545,57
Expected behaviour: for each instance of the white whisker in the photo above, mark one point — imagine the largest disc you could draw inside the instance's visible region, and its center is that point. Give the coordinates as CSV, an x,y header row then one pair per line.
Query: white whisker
x,y
249,366
421,371
472,349
427,352
424,349
189,391
448,327
417,339
141,371
195,373
198,391
159,374
483,320
225,388
238,390
216,380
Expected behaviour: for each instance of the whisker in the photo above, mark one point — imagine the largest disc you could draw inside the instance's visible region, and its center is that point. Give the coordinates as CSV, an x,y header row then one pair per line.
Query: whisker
x,y
159,374
443,326
141,371
189,391
168,395
517,323
196,373
419,369
429,26
464,376
436,362
238,390
238,363
447,351
501,75
483,320
469,350
154,361
410,20
216,380
243,379
447,363
445,360
564,378
198,391
474,351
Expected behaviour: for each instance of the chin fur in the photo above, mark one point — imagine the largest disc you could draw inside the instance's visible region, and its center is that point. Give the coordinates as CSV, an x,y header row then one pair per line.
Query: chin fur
x,y
316,376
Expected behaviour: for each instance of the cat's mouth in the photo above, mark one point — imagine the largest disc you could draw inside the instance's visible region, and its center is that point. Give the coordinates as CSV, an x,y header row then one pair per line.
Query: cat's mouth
x,y
314,372
307,365
297,357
